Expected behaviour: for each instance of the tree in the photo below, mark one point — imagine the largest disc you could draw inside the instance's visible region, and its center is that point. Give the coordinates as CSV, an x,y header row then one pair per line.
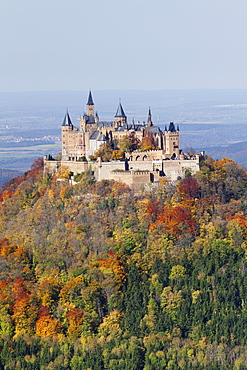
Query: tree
x,y
104,152
147,143
129,143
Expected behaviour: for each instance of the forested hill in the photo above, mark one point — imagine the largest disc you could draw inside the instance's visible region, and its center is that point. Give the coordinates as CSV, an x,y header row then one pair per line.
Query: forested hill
x,y
95,277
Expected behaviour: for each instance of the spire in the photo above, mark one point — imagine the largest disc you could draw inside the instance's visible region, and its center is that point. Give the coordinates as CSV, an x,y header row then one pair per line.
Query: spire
x,y
67,121
120,111
90,99
171,127
150,123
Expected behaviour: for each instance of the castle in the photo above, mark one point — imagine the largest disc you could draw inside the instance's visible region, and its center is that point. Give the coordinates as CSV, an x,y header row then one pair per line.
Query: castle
x,y
148,153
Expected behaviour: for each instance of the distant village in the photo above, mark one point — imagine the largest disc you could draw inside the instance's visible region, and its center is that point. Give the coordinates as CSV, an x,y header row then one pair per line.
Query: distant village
x,y
136,153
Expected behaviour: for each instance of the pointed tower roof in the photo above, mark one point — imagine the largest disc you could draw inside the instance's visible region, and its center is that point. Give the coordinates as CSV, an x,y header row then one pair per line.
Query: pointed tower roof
x,y
171,127
120,111
90,99
67,121
150,123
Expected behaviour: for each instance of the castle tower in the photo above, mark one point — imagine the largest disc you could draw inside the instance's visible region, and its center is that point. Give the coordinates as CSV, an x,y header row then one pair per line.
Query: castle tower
x,y
67,127
171,139
120,117
90,105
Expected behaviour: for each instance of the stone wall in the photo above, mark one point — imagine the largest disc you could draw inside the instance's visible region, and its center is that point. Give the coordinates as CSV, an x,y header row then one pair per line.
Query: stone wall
x,y
133,173
134,179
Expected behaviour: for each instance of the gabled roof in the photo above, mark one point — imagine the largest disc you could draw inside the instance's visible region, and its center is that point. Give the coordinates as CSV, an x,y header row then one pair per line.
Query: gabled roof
x,y
97,135
67,121
120,111
90,99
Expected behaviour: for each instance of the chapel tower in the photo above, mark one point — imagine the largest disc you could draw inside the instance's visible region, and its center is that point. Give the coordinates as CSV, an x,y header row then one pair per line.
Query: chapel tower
x,y
90,105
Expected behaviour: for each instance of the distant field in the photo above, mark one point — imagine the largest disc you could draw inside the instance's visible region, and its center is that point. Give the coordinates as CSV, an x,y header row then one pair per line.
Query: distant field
x,y
210,120
22,158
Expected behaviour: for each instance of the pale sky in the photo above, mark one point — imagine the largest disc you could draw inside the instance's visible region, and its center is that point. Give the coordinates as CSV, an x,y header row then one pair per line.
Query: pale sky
x,y
128,44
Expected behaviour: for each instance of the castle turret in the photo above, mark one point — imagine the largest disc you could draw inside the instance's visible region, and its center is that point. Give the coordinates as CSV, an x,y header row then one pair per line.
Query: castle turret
x,y
67,126
120,117
171,139
67,121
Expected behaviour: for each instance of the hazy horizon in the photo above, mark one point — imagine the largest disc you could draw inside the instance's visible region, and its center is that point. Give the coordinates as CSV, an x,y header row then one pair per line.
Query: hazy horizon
x,y
135,44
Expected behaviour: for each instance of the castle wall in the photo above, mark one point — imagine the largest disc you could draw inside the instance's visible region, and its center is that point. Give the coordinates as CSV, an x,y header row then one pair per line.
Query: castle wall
x,y
51,166
134,179
139,172
103,170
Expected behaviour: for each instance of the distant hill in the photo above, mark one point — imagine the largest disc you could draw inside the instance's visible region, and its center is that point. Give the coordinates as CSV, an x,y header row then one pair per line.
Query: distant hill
x,y
237,152
6,175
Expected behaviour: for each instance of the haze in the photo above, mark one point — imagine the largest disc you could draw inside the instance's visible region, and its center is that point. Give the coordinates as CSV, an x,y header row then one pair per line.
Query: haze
x,y
132,44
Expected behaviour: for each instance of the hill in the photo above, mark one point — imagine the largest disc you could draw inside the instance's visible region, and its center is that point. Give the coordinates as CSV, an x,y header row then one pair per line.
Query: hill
x,y
6,175
95,277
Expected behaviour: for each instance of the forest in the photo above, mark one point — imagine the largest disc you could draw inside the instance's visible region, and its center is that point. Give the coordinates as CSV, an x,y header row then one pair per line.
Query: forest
x,y
93,276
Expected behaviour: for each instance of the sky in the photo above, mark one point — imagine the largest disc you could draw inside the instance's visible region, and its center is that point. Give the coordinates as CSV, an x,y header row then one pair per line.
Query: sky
x,y
56,45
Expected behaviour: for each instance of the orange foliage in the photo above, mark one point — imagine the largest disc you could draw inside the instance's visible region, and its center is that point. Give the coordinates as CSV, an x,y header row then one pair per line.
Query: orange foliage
x,y
5,292
24,310
46,325
153,210
242,221
176,220
75,319
13,252
113,265
6,194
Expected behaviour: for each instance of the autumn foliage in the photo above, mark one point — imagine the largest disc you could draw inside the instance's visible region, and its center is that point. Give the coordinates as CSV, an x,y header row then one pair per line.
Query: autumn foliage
x,y
94,276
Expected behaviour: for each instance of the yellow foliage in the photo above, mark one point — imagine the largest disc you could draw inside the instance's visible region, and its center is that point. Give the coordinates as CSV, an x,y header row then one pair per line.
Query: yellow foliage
x,y
63,172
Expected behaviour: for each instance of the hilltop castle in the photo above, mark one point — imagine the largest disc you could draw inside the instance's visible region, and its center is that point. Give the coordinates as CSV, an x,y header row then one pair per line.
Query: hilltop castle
x,y
161,158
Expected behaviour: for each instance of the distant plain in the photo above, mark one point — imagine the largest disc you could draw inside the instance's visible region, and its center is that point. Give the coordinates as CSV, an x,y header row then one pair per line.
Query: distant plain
x,y
211,120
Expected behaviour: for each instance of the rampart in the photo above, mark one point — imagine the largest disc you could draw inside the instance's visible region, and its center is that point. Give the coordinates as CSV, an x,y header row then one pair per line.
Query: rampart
x,y
134,173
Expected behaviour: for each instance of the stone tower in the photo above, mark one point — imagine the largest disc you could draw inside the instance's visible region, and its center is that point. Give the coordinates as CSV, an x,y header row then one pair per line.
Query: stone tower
x,y
171,137
67,127
90,105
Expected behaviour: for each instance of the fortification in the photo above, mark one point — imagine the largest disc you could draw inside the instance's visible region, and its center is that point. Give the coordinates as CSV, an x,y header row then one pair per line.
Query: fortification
x,y
145,153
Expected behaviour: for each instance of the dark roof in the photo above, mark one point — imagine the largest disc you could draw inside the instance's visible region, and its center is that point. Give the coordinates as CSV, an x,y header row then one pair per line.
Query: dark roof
x,y
94,135
120,111
67,121
171,127
97,135
154,130
89,119
90,99
105,124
